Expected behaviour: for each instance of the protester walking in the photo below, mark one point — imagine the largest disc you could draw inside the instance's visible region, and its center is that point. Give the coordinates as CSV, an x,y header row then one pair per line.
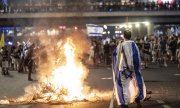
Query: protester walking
x,y
128,81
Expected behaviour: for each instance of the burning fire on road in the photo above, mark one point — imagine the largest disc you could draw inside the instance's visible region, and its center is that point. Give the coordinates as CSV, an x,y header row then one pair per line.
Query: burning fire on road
x,y
64,84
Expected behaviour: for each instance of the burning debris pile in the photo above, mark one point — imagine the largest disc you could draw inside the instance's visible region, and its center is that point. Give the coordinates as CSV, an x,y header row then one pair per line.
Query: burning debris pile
x,y
38,93
46,94
65,84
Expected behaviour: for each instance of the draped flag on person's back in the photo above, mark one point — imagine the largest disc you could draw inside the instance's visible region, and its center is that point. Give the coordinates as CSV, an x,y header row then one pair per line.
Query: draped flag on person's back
x,y
127,89
2,40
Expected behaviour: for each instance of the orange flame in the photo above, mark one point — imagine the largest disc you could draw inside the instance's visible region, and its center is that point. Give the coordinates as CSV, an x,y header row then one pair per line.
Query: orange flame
x,y
64,84
69,76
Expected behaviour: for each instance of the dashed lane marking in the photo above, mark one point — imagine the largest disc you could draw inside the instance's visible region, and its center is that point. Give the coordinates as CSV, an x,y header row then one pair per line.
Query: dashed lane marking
x,y
176,74
109,68
166,106
107,78
162,102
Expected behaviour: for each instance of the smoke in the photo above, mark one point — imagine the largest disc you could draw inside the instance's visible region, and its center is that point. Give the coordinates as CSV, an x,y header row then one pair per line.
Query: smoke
x,y
50,53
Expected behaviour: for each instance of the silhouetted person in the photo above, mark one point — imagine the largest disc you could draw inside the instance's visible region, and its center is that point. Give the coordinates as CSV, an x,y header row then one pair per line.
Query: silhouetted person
x,y
107,53
29,61
5,58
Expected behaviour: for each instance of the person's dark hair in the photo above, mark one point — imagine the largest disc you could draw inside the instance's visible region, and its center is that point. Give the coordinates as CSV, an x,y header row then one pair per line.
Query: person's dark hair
x,y
127,34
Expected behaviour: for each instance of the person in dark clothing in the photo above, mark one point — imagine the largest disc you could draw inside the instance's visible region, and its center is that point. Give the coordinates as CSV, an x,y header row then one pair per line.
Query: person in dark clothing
x,y
146,49
107,53
113,46
178,52
17,54
96,53
29,61
139,44
21,61
5,58
173,45
155,50
163,52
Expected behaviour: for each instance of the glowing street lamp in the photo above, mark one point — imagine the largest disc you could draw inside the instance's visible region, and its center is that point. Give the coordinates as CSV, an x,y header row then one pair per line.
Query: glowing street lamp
x,y
121,26
64,27
75,27
125,26
129,26
105,26
108,32
137,25
146,23
116,31
147,26
104,33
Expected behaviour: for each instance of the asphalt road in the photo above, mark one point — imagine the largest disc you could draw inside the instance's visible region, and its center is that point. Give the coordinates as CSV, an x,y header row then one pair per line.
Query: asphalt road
x,y
164,82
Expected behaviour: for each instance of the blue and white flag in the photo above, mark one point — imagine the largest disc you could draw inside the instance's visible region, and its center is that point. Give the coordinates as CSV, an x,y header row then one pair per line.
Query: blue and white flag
x,y
127,89
94,30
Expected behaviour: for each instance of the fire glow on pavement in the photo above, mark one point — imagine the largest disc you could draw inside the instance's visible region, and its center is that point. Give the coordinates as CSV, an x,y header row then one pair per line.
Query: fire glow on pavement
x,y
65,84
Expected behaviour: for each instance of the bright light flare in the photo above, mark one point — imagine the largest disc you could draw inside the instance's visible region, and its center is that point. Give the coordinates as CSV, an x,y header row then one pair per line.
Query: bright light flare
x,y
69,76
129,26
63,85
146,23
137,25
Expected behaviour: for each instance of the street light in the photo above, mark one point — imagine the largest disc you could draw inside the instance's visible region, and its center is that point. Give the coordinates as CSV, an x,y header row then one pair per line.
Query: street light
x,y
75,27
108,32
146,23
116,32
129,26
125,26
147,27
105,26
137,25
121,26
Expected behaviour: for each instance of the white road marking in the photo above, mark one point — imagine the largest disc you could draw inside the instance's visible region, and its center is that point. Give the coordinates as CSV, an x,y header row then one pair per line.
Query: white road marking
x,y
176,74
166,106
162,102
107,78
109,68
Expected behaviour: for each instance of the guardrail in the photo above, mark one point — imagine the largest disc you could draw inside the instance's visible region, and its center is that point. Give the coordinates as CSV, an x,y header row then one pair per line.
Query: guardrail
x,y
88,7
91,14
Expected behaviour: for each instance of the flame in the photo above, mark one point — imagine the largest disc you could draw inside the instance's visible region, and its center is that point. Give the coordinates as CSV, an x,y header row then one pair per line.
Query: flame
x,y
64,84
69,76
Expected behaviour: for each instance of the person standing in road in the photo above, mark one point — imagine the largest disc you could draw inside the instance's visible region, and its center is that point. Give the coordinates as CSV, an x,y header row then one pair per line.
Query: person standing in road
x,y
173,46
29,61
146,49
106,48
128,82
178,52
5,59
163,51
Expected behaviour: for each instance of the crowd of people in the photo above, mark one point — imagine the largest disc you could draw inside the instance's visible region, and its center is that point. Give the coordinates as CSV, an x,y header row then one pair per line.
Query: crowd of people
x,y
102,6
159,50
17,58
156,49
